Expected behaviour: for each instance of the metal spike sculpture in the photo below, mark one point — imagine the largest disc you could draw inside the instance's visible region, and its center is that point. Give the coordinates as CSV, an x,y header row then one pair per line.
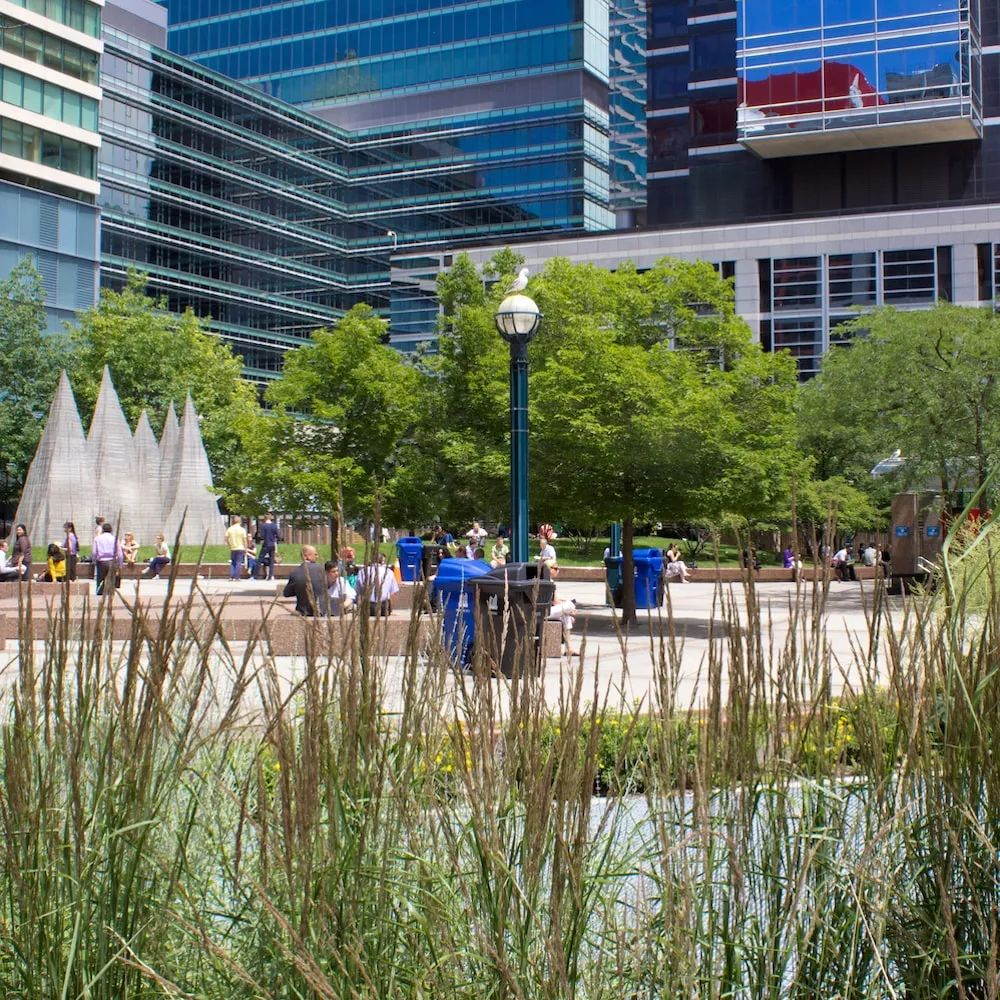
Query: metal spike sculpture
x,y
141,486
60,483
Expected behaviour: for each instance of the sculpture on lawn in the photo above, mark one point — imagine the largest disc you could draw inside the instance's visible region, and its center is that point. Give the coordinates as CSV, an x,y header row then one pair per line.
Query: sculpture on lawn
x,y
139,485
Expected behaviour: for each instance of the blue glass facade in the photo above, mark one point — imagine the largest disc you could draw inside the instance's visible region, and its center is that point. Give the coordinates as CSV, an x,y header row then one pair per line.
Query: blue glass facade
x,y
464,122
754,112
60,236
495,114
236,205
627,74
49,99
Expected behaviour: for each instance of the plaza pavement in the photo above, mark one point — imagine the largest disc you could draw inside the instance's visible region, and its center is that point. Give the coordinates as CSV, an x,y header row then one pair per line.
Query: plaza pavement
x,y
700,631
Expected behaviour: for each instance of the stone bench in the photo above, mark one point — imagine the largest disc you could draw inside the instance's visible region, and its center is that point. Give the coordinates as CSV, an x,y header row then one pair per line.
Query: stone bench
x,y
402,601
275,627
9,590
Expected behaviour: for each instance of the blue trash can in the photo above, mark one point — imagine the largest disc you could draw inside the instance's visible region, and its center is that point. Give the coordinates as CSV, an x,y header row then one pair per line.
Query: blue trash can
x,y
411,555
648,573
452,590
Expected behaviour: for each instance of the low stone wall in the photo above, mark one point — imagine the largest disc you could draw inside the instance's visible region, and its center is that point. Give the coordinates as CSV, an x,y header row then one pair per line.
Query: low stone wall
x,y
275,627
42,591
721,574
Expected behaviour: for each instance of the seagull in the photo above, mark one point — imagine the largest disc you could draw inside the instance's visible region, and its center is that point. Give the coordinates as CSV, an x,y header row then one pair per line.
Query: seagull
x,y
520,283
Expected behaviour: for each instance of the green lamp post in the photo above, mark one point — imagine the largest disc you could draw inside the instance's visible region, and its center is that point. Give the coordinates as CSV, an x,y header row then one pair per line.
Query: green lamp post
x,y
517,321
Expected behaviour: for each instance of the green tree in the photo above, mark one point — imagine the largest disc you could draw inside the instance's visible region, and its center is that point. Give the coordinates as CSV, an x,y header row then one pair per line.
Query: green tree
x,y
466,445
346,409
650,400
826,507
155,357
30,362
924,382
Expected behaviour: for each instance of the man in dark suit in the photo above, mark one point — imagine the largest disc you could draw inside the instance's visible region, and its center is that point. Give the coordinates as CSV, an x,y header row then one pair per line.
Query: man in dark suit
x,y
307,584
269,538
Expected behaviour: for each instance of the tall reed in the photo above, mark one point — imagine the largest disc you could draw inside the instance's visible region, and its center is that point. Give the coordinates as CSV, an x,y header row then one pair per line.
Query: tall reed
x,y
184,818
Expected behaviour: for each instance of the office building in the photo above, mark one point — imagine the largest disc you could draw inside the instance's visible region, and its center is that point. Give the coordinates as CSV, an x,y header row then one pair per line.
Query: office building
x,y
493,119
235,204
49,98
828,157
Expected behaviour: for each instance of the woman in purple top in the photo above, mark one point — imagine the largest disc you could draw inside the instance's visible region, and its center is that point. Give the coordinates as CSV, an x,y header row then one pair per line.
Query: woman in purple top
x,y
72,550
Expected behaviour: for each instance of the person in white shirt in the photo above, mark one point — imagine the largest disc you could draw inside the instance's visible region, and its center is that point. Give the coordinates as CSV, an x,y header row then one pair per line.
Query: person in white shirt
x,y
477,536
546,554
564,610
342,595
378,583
844,564
7,571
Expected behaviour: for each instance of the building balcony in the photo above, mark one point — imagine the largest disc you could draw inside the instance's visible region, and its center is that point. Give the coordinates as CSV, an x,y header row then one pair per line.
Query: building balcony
x,y
941,120
834,108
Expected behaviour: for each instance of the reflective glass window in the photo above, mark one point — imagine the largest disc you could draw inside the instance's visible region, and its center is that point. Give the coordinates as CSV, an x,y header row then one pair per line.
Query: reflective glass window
x,y
669,80
713,121
852,279
668,142
668,20
796,283
32,100
908,276
714,53
802,337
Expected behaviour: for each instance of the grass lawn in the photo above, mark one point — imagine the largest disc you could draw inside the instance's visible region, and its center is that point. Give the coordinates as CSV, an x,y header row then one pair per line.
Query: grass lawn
x,y
568,551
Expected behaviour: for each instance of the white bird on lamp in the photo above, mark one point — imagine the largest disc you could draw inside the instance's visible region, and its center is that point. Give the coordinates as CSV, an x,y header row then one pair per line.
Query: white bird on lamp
x,y
519,284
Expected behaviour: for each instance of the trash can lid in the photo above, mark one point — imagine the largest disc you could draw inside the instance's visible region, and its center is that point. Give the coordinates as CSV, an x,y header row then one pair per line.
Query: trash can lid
x,y
516,571
652,557
409,542
453,573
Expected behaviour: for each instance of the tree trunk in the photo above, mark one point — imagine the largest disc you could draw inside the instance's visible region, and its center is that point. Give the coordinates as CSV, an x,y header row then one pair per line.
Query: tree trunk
x,y
628,573
335,536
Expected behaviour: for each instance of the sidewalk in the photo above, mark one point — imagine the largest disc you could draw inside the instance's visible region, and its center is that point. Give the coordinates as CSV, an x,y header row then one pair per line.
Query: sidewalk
x,y
676,641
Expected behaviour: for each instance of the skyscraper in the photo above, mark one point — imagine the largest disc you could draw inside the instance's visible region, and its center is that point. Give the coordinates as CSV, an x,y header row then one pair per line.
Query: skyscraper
x,y
49,98
496,113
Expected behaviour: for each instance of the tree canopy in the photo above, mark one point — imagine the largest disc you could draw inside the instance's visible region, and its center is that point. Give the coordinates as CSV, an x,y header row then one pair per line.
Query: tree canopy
x,y
155,357
924,383
344,412
30,362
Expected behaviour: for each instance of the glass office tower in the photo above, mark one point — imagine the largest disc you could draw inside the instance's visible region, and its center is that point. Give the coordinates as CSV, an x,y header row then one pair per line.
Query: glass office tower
x,y
495,112
627,71
49,96
236,205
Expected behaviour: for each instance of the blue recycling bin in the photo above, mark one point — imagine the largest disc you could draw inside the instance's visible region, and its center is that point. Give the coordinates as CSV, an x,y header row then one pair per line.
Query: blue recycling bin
x,y
451,588
411,555
648,575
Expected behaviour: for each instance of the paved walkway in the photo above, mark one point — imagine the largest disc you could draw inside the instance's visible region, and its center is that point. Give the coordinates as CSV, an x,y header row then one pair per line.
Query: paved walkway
x,y
674,650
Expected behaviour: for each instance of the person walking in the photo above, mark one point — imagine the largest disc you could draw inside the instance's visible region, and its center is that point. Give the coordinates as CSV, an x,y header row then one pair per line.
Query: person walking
x,y
269,538
236,539
107,556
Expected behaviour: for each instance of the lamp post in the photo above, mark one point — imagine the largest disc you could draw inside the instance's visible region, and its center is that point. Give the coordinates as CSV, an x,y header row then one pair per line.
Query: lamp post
x,y
517,320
